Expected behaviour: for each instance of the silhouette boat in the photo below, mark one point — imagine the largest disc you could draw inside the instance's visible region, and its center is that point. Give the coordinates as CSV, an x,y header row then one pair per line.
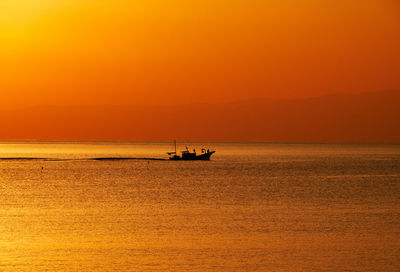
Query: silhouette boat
x,y
191,156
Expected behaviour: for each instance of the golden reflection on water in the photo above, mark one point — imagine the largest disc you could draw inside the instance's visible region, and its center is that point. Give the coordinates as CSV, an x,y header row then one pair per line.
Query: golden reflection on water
x,y
283,208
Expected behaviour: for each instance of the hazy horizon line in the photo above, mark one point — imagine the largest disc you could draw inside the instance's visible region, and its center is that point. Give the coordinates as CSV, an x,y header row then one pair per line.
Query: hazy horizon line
x,y
196,141
260,98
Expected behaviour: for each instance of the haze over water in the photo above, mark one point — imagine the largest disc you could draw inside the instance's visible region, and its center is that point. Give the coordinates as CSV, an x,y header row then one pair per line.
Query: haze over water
x,y
253,207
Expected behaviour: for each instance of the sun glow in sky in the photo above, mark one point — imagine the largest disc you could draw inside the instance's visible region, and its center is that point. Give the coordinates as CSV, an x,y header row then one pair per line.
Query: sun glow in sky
x,y
127,52
24,11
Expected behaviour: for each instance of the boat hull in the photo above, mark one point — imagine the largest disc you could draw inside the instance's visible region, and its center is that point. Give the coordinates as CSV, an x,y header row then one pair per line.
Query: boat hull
x,y
193,157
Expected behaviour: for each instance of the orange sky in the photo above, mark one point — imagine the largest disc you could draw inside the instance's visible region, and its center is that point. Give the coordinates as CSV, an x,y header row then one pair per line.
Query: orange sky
x,y
65,52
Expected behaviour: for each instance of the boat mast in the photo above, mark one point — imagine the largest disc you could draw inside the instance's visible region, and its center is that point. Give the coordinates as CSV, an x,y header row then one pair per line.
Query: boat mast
x,y
175,145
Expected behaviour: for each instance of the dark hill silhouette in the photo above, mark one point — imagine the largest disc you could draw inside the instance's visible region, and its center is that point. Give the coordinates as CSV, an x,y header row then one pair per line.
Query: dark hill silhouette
x,y
365,117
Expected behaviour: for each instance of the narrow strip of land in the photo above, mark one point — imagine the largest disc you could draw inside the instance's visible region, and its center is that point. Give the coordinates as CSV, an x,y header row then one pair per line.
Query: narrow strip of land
x,y
80,159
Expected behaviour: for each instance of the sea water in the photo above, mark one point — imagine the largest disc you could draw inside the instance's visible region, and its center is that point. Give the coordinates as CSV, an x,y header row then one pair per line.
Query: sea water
x,y
253,207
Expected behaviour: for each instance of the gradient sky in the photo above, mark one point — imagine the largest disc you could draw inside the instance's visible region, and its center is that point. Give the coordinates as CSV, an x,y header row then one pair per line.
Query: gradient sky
x,y
65,52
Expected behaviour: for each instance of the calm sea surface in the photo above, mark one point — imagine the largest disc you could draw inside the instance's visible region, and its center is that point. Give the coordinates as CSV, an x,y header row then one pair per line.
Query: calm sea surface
x,y
254,207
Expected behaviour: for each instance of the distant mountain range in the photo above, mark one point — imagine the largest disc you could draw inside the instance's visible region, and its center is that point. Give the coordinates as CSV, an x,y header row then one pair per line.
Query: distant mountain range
x,y
365,117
